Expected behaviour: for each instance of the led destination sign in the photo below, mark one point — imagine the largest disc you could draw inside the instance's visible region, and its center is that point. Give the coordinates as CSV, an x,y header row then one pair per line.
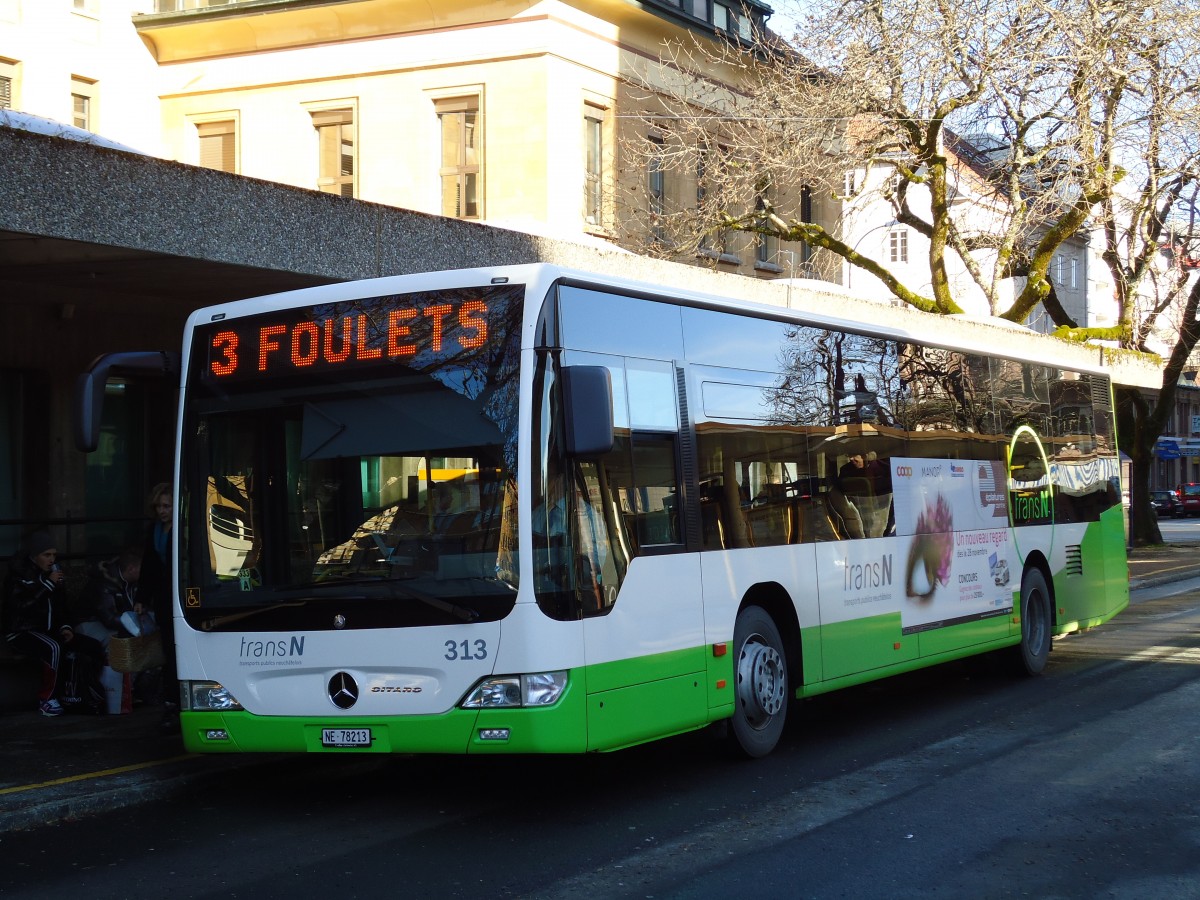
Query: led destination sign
x,y
415,330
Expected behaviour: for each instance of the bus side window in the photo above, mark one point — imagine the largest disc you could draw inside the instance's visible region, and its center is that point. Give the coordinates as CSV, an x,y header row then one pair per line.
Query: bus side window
x,y
655,494
649,491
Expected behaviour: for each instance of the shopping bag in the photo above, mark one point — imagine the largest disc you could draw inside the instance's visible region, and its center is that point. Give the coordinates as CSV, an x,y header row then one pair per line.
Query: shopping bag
x,y
135,654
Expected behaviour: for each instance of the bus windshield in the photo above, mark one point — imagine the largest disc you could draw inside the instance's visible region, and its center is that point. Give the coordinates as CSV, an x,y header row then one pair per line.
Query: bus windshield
x,y
362,473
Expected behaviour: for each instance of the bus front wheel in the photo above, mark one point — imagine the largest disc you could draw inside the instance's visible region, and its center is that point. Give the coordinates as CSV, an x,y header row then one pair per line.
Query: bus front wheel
x,y
760,682
1031,654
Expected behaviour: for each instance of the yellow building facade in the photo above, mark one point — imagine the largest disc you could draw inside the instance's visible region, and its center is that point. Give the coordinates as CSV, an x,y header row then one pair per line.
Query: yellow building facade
x,y
516,113
509,112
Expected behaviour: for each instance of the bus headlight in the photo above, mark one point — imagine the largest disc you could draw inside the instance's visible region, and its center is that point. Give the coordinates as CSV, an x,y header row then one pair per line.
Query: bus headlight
x,y
513,691
208,696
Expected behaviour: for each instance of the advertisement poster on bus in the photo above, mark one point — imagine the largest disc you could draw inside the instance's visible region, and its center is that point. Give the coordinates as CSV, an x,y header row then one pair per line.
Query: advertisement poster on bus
x,y
946,559
952,527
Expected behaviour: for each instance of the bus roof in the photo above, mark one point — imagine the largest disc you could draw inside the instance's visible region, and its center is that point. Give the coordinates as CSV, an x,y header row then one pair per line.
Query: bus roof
x,y
802,301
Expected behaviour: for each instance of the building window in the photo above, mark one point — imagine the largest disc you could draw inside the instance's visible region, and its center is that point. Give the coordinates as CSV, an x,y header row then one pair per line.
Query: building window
x,y
849,183
335,151
766,248
702,196
593,182
218,145
656,188
729,18
711,166
7,82
81,111
462,158
898,245
1074,273
803,254
83,103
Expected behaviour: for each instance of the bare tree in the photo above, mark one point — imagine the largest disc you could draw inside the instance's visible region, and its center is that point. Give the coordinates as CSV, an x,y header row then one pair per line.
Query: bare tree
x,y
996,130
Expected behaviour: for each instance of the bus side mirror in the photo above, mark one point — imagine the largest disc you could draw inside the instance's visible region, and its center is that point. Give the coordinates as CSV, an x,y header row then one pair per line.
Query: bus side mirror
x,y
89,388
587,410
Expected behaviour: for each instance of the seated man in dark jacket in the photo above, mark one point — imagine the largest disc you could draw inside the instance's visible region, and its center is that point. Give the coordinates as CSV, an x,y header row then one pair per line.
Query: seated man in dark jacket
x,y
35,625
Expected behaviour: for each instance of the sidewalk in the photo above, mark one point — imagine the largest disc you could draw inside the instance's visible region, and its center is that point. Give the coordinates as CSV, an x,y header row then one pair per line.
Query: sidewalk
x,y
72,766
1150,566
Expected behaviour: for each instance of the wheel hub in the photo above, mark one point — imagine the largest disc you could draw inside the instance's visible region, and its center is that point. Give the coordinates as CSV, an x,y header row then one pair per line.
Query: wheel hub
x,y
762,681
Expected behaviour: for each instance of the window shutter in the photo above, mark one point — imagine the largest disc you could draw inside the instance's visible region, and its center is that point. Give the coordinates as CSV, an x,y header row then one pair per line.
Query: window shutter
x,y
217,146
335,151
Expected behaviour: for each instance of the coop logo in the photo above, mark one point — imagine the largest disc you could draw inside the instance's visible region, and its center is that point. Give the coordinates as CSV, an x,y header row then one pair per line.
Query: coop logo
x,y
958,471
904,471
281,649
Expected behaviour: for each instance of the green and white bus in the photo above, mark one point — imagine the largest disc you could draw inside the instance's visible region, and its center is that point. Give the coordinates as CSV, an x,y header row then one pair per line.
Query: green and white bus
x,y
531,510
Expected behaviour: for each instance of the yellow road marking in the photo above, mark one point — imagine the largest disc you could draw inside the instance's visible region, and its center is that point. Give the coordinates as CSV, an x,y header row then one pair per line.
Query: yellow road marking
x,y
84,777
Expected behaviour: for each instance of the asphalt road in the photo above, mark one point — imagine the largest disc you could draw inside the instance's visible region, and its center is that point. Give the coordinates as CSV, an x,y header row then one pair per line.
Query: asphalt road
x,y
960,781
1179,530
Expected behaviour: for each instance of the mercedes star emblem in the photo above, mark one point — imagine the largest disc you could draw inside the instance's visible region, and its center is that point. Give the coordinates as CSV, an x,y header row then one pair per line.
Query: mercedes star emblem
x,y
343,690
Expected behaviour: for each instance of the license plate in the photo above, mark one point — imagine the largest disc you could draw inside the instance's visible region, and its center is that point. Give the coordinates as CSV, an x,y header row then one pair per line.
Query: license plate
x,y
345,737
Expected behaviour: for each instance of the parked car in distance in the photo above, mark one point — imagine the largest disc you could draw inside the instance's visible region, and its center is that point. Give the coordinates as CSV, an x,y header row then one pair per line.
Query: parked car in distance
x,y
1165,503
1188,496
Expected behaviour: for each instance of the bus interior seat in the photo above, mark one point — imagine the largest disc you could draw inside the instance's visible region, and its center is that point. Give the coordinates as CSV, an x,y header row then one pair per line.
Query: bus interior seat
x,y
770,524
843,515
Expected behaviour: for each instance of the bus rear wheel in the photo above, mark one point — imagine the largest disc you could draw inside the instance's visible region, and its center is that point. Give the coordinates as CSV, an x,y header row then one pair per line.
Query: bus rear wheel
x,y
760,683
1031,655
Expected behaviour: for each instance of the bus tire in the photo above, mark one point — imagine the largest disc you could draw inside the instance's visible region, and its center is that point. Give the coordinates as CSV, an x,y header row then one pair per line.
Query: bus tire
x,y
760,684
1031,654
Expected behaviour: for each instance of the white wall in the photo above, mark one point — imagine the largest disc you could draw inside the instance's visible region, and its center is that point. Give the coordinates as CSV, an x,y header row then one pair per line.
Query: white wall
x,y
49,42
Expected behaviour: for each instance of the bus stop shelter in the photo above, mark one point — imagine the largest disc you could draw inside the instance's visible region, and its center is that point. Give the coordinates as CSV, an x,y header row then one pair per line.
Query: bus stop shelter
x,y
103,249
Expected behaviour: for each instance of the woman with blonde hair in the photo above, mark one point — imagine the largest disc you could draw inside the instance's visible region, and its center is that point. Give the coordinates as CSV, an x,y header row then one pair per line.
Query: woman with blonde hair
x,y
154,590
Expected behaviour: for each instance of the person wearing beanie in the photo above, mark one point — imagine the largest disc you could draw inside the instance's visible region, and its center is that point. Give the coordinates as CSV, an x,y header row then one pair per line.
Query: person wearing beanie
x,y
34,622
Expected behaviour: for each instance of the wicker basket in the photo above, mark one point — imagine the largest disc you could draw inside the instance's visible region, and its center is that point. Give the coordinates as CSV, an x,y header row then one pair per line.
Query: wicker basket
x,y
135,654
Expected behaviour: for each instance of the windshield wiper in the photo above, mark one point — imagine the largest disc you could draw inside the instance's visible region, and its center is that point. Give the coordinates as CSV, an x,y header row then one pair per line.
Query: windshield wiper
x,y
312,591
462,613
210,624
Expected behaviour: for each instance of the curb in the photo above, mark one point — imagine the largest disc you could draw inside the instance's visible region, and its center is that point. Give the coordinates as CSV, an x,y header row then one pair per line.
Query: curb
x,y
1158,580
84,795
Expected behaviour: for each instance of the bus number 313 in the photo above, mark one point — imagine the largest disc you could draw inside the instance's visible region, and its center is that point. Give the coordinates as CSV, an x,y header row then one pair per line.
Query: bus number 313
x,y
461,650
